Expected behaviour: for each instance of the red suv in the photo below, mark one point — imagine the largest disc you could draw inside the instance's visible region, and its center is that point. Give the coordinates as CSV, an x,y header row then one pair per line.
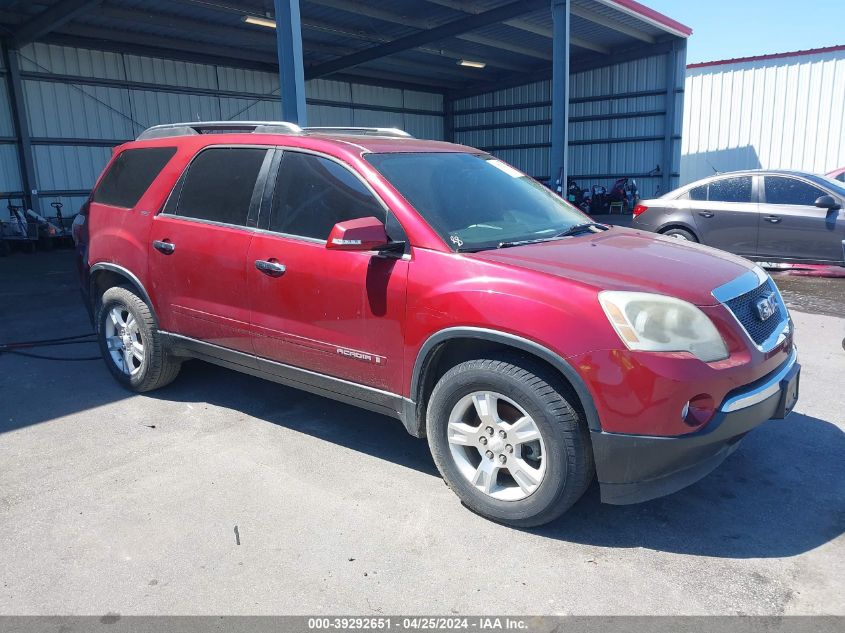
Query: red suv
x,y
436,284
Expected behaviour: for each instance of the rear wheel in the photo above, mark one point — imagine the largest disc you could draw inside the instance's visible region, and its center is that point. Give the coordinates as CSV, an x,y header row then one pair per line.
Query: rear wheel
x,y
508,439
680,234
130,343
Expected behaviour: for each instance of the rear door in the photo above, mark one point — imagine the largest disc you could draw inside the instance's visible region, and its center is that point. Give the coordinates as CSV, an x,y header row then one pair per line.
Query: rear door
x,y
792,228
199,243
339,313
725,213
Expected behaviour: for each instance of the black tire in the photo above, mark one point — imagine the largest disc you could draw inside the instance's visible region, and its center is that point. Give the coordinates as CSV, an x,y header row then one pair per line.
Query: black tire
x,y
549,401
157,368
681,234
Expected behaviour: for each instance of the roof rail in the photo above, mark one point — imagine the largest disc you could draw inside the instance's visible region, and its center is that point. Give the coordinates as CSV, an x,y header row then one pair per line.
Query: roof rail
x,y
360,131
218,127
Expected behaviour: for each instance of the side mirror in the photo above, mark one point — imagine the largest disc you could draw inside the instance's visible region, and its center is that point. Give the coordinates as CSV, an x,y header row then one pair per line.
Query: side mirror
x,y
362,234
827,202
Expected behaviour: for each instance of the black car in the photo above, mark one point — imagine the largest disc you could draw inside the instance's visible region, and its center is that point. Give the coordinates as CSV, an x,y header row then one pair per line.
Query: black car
x,y
774,216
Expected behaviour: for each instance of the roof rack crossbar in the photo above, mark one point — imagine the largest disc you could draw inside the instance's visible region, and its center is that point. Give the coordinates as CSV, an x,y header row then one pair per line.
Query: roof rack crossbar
x,y
218,127
360,131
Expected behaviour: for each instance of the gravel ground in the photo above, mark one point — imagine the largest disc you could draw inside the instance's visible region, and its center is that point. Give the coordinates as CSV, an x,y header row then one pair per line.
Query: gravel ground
x,y
113,503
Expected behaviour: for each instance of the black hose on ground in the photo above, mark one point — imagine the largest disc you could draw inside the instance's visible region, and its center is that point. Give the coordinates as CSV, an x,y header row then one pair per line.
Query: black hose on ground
x,y
17,346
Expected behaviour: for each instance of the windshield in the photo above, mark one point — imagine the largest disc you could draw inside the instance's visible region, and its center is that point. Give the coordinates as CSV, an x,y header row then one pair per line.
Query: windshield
x,y
476,202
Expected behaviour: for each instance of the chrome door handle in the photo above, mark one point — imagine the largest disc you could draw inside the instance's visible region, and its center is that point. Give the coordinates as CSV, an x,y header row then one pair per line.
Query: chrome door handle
x,y
164,246
706,214
270,267
771,218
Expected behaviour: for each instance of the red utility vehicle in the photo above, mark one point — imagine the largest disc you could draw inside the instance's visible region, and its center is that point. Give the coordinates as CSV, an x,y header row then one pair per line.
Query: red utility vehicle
x,y
436,284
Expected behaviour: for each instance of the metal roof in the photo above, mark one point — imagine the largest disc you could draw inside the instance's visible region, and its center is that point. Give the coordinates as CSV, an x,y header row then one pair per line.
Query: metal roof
x,y
423,40
757,58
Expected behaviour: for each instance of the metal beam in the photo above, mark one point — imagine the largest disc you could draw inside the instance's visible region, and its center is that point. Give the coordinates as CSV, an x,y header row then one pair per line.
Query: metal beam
x,y
523,25
450,29
560,94
291,71
232,53
601,20
536,29
506,46
669,120
361,8
29,177
50,19
411,82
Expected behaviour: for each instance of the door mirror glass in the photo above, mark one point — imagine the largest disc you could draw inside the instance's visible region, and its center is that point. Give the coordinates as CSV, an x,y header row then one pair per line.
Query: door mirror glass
x,y
827,202
362,234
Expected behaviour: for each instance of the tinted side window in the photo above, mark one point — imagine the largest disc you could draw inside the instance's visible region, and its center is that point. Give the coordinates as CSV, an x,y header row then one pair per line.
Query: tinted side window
x,y
313,194
698,193
781,190
730,190
219,184
130,175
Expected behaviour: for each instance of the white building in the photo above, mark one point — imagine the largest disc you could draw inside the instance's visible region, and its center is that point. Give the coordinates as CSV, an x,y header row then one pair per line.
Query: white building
x,y
783,111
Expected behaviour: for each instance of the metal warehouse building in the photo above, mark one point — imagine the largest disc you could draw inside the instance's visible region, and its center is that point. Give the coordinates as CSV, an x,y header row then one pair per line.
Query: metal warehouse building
x,y
591,88
784,111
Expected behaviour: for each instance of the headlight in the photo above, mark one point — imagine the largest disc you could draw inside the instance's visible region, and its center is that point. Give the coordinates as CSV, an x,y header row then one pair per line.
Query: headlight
x,y
657,323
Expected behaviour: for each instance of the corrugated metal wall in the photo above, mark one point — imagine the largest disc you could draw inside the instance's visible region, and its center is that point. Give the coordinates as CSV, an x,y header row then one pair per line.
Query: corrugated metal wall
x,y
81,102
10,174
784,113
617,123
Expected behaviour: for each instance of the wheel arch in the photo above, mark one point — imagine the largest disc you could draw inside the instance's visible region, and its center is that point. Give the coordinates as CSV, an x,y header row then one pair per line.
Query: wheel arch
x,y
678,224
106,275
455,345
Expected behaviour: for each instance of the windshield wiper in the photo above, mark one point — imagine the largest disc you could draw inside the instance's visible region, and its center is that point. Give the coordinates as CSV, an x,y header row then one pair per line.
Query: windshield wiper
x,y
580,228
572,230
521,242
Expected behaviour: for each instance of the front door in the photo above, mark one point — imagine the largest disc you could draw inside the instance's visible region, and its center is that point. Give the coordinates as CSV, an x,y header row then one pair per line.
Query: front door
x,y
725,214
199,245
792,228
338,313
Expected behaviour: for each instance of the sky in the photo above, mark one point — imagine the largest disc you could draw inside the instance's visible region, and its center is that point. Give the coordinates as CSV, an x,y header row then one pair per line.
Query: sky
x,y
723,29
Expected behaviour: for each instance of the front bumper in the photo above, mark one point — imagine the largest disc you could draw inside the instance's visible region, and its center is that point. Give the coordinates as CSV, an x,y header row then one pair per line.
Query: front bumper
x,y
636,468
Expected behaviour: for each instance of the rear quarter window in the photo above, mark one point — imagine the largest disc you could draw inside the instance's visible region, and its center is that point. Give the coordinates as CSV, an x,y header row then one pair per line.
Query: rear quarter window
x,y
130,175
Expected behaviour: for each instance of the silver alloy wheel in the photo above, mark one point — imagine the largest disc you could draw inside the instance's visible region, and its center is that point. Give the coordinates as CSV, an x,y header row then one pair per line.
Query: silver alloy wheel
x,y
123,340
496,445
679,236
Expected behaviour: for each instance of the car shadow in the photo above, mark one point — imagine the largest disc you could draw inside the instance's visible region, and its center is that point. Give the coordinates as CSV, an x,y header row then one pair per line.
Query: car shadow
x,y
781,494
357,429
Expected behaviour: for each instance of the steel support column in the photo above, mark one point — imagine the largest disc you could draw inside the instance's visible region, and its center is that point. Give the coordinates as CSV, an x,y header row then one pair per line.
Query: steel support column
x,y
667,166
560,94
448,119
25,159
291,67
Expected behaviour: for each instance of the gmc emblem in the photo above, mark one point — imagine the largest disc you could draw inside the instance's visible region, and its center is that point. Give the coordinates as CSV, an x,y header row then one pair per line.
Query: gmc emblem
x,y
766,306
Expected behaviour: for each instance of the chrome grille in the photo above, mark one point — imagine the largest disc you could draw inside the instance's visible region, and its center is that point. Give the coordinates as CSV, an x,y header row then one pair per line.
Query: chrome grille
x,y
744,310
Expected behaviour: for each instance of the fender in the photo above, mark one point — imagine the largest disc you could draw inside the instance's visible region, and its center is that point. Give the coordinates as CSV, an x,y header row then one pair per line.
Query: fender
x,y
510,340
131,277
677,224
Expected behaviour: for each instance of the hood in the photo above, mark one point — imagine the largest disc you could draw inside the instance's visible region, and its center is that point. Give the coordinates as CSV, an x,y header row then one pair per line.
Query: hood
x,y
624,259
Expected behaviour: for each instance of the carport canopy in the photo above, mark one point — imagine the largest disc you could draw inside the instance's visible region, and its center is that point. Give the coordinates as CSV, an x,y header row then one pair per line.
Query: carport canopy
x,y
455,47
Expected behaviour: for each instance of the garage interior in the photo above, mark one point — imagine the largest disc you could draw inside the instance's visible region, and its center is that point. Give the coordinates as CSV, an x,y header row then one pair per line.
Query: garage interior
x,y
82,76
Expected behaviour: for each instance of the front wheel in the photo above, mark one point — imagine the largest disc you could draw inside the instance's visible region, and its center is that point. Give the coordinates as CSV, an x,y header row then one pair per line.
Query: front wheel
x,y
508,439
130,343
